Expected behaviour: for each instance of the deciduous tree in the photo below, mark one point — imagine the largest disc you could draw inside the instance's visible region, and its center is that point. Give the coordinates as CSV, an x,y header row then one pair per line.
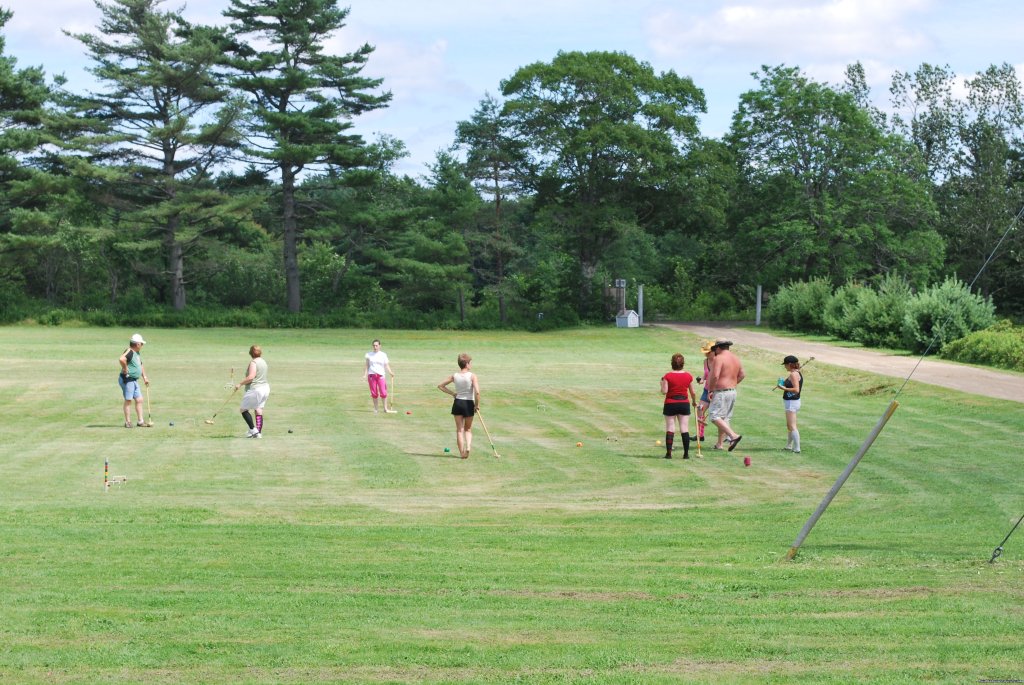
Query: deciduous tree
x,y
824,192
597,127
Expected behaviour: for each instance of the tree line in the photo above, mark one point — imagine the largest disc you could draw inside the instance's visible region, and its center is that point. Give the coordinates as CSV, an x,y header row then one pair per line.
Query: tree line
x,y
214,168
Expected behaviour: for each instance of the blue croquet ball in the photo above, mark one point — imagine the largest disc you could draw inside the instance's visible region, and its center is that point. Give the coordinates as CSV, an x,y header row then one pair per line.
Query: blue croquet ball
x,y
290,430
172,423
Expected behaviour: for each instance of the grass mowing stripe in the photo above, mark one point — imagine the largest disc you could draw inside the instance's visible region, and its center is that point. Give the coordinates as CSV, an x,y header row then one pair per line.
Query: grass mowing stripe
x,y
354,550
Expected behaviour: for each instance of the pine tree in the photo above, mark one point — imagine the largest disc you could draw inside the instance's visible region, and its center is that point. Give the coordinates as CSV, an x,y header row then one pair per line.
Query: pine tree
x,y
302,100
164,125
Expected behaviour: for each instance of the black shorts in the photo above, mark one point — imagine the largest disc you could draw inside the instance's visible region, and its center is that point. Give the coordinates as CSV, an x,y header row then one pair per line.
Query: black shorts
x,y
676,409
463,408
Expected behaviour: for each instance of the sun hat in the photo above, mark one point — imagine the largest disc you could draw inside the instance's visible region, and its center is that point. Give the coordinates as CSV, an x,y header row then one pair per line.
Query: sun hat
x,y
721,343
706,347
137,338
790,359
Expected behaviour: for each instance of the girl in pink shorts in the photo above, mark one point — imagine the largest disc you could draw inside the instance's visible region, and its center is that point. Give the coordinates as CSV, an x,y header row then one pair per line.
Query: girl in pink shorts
x,y
376,364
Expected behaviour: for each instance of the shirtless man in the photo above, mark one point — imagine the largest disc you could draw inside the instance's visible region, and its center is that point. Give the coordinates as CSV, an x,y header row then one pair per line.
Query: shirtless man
x,y
726,372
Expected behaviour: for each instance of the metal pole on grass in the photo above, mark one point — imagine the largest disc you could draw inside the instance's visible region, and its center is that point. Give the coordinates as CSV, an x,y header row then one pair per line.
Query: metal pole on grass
x,y
841,480
640,302
757,316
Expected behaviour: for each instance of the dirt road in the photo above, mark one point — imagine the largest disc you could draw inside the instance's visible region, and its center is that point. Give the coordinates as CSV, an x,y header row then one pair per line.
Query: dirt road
x,y
974,380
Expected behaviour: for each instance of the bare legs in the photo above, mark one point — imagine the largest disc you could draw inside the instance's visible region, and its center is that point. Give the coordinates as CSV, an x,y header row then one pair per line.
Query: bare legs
x,y
464,435
128,410
723,431
792,434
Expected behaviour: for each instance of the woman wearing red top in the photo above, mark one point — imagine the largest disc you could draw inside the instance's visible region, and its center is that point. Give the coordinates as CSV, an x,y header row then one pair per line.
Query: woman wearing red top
x,y
677,387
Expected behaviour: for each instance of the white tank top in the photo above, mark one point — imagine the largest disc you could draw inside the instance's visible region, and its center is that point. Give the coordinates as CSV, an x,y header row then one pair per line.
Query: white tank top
x,y
464,385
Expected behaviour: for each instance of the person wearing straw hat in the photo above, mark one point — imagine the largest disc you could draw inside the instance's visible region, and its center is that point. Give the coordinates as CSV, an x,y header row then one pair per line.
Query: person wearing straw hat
x,y
132,371
792,385
702,406
725,373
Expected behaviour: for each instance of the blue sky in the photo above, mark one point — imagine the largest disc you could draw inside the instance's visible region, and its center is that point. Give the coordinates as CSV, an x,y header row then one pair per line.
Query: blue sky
x,y
440,58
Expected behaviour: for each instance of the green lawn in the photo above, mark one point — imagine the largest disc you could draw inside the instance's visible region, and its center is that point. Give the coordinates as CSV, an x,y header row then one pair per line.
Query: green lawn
x,y
355,550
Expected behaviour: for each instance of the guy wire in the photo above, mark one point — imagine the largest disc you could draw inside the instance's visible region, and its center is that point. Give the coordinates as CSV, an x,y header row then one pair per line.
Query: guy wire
x,y
1012,225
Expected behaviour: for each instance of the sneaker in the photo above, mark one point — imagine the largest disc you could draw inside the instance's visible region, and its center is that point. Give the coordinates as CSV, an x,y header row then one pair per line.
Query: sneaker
x,y
127,424
796,451
251,432
141,424
257,435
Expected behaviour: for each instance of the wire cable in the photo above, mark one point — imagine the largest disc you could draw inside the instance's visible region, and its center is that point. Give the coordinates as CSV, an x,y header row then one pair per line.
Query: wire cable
x,y
1012,225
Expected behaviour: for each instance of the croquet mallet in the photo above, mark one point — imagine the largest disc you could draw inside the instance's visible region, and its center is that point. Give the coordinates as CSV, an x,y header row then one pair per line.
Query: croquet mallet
x,y
389,407
802,367
149,409
488,434
221,408
700,430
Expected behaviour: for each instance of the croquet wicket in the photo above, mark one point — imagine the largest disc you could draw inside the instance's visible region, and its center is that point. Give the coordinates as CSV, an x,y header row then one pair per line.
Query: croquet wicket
x,y
109,480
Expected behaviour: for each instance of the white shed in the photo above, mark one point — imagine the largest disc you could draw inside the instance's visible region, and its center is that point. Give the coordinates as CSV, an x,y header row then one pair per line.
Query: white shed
x,y
627,319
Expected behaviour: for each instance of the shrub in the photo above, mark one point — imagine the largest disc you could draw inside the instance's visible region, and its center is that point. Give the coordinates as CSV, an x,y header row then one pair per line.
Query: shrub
x,y
14,305
1000,345
943,313
877,318
800,306
660,304
100,317
698,305
57,317
839,309
234,277
716,305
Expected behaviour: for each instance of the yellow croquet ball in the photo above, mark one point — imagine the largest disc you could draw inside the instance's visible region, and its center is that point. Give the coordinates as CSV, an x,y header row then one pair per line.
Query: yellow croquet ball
x,y
658,443
579,444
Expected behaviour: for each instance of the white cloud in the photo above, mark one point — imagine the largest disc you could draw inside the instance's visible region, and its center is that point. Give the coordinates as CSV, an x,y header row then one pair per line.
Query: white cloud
x,y
439,58
38,27
412,69
838,30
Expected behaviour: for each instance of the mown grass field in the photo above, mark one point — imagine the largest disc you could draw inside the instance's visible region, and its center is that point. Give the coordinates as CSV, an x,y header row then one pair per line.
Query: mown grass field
x,y
355,550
